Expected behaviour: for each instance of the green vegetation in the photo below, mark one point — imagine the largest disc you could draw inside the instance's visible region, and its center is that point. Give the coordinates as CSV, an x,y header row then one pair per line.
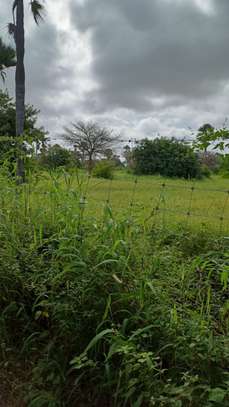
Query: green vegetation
x,y
114,286
109,307
33,134
56,156
166,157
225,166
104,169
209,137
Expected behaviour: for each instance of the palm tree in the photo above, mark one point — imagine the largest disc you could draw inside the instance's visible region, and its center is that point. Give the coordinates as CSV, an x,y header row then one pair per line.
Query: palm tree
x,y
17,29
7,58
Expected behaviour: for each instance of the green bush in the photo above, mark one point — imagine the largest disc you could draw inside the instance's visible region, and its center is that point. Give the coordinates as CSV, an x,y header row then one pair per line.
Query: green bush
x,y
166,157
224,166
55,156
104,169
205,171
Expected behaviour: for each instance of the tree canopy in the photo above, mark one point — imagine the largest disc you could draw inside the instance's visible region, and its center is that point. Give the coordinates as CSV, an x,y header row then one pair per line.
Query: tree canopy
x,y
33,133
167,157
210,137
55,156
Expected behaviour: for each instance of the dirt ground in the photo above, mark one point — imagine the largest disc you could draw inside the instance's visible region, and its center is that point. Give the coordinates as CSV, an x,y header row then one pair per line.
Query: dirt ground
x,y
10,389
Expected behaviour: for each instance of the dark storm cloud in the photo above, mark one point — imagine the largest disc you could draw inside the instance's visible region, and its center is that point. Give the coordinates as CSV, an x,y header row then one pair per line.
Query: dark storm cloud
x,y
48,74
140,66
43,61
146,49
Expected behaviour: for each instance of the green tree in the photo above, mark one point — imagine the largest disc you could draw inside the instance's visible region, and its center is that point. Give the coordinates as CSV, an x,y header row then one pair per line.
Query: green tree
x,y
7,58
167,157
17,29
204,136
208,136
104,169
55,156
34,135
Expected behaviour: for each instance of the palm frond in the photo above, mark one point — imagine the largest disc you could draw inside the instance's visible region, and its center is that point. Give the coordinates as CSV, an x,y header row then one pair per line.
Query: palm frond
x,y
37,9
7,56
11,28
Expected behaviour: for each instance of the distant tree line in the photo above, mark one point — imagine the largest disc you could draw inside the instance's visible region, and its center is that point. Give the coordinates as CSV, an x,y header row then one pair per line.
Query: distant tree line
x,y
92,147
170,157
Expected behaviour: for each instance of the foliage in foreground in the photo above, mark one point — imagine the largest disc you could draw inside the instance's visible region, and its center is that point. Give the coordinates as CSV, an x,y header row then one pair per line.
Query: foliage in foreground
x,y
113,312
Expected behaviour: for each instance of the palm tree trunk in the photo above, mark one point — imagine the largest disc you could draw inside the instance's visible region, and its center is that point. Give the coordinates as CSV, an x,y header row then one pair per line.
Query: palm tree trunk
x,y
20,86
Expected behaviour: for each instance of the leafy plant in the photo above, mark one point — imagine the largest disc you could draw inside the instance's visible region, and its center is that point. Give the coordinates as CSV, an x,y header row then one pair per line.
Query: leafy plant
x,y
104,169
167,157
55,156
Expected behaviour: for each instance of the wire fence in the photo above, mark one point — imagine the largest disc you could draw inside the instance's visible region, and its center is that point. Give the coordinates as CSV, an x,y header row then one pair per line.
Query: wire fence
x,y
158,201
167,203
149,200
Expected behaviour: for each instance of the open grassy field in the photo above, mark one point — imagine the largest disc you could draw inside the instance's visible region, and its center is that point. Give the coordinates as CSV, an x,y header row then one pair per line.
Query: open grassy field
x,y
200,204
204,202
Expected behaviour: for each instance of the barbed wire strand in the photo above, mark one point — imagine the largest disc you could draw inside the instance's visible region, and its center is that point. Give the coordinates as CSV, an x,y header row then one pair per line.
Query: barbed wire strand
x,y
163,205
189,211
108,200
131,205
221,223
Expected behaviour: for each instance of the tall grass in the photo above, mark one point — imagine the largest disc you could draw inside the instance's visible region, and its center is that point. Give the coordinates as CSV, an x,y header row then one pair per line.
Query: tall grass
x,y
109,311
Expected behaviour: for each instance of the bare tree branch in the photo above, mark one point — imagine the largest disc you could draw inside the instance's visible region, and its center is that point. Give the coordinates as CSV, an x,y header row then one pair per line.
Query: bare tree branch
x,y
89,140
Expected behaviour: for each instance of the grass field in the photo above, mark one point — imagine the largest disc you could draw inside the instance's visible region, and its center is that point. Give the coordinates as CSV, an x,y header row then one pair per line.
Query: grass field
x,y
164,200
150,199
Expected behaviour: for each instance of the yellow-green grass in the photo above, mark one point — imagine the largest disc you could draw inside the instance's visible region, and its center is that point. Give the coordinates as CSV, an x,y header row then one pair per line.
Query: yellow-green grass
x,y
203,202
150,199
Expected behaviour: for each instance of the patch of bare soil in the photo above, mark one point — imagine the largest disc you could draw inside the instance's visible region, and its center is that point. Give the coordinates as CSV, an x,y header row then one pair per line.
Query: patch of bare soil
x,y
11,388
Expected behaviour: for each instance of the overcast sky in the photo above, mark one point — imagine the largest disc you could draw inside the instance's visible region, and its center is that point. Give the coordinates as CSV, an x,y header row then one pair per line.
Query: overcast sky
x,y
142,67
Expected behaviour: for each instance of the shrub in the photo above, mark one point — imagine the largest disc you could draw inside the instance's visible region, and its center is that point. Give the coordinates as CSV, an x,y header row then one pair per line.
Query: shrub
x,y
104,169
166,157
56,156
205,171
224,166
